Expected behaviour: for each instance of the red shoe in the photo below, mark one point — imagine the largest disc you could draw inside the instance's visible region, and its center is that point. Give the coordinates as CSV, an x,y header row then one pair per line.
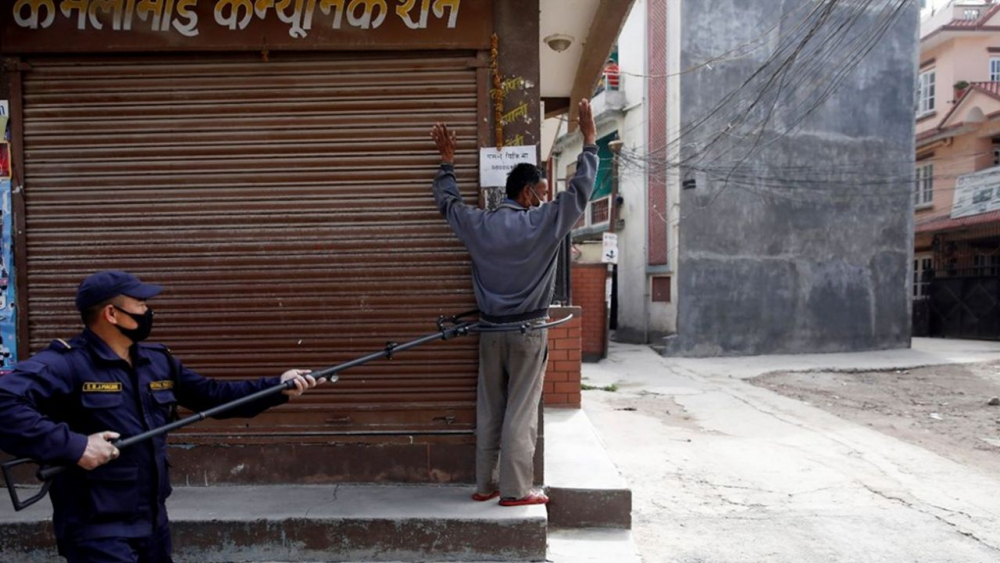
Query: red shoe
x,y
534,497
483,498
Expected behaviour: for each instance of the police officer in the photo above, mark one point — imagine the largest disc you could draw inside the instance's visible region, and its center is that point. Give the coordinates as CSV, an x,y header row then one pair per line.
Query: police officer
x,y
66,404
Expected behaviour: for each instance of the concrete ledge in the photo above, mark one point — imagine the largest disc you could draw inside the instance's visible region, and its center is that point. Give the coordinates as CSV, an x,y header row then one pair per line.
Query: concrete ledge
x,y
319,523
590,508
585,487
217,460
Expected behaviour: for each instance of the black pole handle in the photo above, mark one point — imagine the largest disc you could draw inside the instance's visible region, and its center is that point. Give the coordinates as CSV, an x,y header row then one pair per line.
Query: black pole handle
x,y
8,477
45,473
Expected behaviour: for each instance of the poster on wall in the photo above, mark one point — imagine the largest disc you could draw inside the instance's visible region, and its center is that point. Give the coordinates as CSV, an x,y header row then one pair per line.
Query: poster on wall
x,y
609,252
8,322
494,165
5,161
4,118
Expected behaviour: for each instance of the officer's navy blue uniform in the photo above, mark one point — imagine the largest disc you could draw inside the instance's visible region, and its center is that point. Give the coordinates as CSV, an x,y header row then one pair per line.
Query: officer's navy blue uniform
x,y
52,401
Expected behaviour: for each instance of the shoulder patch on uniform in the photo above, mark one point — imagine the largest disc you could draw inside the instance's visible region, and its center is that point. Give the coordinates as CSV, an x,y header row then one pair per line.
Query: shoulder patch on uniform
x,y
31,365
60,345
156,346
161,385
102,387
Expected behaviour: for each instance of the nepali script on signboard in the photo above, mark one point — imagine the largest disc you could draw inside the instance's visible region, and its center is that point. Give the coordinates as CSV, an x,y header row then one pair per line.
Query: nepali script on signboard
x,y
977,193
382,21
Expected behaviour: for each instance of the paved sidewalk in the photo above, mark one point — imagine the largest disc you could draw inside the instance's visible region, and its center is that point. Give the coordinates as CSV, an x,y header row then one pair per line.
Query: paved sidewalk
x,y
723,471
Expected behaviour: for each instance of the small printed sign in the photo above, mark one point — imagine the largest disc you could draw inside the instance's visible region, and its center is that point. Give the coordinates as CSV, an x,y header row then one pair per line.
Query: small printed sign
x,y
609,255
494,165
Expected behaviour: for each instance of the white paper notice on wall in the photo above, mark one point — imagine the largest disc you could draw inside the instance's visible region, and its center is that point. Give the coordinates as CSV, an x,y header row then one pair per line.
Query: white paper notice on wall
x,y
494,165
609,254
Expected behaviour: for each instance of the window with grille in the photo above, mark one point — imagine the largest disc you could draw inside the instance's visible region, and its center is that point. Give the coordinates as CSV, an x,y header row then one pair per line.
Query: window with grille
x,y
986,264
600,211
923,269
926,94
995,70
923,189
970,15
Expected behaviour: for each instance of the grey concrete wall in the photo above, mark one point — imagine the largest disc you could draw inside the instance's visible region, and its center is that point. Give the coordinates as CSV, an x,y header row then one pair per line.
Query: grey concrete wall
x,y
806,247
632,278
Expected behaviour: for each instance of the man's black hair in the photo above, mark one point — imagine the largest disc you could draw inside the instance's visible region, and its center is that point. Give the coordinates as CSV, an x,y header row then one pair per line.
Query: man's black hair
x,y
524,174
91,314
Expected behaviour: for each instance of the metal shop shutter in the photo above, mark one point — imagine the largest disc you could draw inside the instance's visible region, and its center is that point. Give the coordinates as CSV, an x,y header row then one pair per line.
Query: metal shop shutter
x,y
283,201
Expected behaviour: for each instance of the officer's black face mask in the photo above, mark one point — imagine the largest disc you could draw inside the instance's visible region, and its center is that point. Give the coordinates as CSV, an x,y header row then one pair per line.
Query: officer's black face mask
x,y
144,322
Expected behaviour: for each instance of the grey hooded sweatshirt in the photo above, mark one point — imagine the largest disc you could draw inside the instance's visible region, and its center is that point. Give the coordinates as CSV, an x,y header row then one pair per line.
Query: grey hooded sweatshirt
x,y
514,249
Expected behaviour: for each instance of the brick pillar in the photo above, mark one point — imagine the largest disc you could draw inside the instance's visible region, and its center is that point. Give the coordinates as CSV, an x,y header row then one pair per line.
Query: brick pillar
x,y
562,375
589,290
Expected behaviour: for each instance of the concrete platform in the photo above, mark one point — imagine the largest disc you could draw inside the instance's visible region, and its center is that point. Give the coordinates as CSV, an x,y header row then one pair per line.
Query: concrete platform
x,y
318,523
386,523
591,545
585,487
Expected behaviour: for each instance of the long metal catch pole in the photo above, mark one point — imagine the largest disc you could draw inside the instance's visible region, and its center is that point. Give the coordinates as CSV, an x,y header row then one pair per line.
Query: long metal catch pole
x,y
448,328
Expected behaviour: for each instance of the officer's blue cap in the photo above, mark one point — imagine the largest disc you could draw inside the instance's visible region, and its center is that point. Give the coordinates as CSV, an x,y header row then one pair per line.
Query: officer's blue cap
x,y
112,283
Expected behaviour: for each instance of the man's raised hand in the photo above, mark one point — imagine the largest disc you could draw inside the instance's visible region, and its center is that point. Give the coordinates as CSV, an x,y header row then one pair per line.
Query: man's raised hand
x,y
446,141
587,126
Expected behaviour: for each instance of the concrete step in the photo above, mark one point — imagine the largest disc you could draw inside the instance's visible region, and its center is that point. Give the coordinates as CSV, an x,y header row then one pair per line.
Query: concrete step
x,y
328,523
591,545
585,487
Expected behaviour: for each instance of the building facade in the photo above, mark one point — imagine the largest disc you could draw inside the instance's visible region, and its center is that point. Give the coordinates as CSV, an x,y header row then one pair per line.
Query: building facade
x,y
631,199
270,164
740,159
956,264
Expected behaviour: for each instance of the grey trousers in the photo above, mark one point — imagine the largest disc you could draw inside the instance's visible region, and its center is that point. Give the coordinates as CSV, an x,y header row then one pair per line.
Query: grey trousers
x,y
511,371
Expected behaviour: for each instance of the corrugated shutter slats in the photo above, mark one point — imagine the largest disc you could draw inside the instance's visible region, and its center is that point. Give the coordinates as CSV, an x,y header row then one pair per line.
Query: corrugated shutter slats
x,y
286,206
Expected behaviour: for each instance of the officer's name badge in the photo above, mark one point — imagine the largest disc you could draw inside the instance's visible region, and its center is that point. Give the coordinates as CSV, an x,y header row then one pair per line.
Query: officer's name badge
x,y
92,387
161,385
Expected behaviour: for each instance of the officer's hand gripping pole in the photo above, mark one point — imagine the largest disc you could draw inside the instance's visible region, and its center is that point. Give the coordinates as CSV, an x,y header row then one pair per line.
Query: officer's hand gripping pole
x,y
448,328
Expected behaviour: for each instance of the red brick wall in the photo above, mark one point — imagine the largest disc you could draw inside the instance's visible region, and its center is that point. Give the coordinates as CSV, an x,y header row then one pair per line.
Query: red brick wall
x,y
656,58
589,287
562,376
